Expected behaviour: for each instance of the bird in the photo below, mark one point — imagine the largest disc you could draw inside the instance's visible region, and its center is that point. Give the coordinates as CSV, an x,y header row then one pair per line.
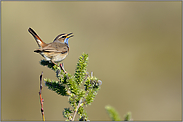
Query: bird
x,y
55,51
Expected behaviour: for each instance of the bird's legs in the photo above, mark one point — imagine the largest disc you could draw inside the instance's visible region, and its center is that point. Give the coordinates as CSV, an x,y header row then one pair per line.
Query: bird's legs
x,y
54,63
62,67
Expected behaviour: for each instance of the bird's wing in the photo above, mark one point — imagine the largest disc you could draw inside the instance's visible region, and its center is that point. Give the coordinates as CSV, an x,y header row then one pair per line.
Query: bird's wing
x,y
55,47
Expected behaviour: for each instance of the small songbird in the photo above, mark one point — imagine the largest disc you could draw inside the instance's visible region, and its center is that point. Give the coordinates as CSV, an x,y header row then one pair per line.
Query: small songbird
x,y
55,51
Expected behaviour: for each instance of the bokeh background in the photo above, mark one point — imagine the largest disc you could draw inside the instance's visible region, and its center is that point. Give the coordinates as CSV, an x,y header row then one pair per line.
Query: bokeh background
x,y
133,47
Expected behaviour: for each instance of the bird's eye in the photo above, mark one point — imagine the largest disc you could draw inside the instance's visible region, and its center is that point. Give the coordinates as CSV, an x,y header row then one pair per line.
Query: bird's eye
x,y
63,36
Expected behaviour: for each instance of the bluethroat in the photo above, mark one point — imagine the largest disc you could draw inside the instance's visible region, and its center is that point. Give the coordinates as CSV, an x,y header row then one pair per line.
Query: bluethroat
x,y
55,51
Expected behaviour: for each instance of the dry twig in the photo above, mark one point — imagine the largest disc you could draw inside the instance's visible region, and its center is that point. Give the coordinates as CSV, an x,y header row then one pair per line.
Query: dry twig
x,y
41,99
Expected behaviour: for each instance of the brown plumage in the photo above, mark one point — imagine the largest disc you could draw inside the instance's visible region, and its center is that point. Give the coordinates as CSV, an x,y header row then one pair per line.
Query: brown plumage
x,y
55,51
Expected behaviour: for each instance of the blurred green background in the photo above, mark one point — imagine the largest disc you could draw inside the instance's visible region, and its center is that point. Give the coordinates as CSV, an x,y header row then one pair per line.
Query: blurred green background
x,y
133,47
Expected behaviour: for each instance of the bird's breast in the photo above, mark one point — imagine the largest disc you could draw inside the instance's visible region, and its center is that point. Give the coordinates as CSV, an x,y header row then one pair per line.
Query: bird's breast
x,y
60,57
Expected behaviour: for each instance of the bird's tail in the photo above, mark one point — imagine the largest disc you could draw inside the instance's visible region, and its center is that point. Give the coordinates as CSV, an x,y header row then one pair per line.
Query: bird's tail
x,y
37,38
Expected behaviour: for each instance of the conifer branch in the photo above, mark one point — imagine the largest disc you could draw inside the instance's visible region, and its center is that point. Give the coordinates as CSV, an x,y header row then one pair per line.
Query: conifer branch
x,y
78,87
113,114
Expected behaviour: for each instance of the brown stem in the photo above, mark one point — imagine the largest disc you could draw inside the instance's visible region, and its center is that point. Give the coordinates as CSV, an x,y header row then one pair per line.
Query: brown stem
x,y
76,109
41,99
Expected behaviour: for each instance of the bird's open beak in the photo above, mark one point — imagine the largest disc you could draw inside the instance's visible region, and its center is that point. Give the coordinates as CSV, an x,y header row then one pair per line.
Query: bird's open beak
x,y
69,35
